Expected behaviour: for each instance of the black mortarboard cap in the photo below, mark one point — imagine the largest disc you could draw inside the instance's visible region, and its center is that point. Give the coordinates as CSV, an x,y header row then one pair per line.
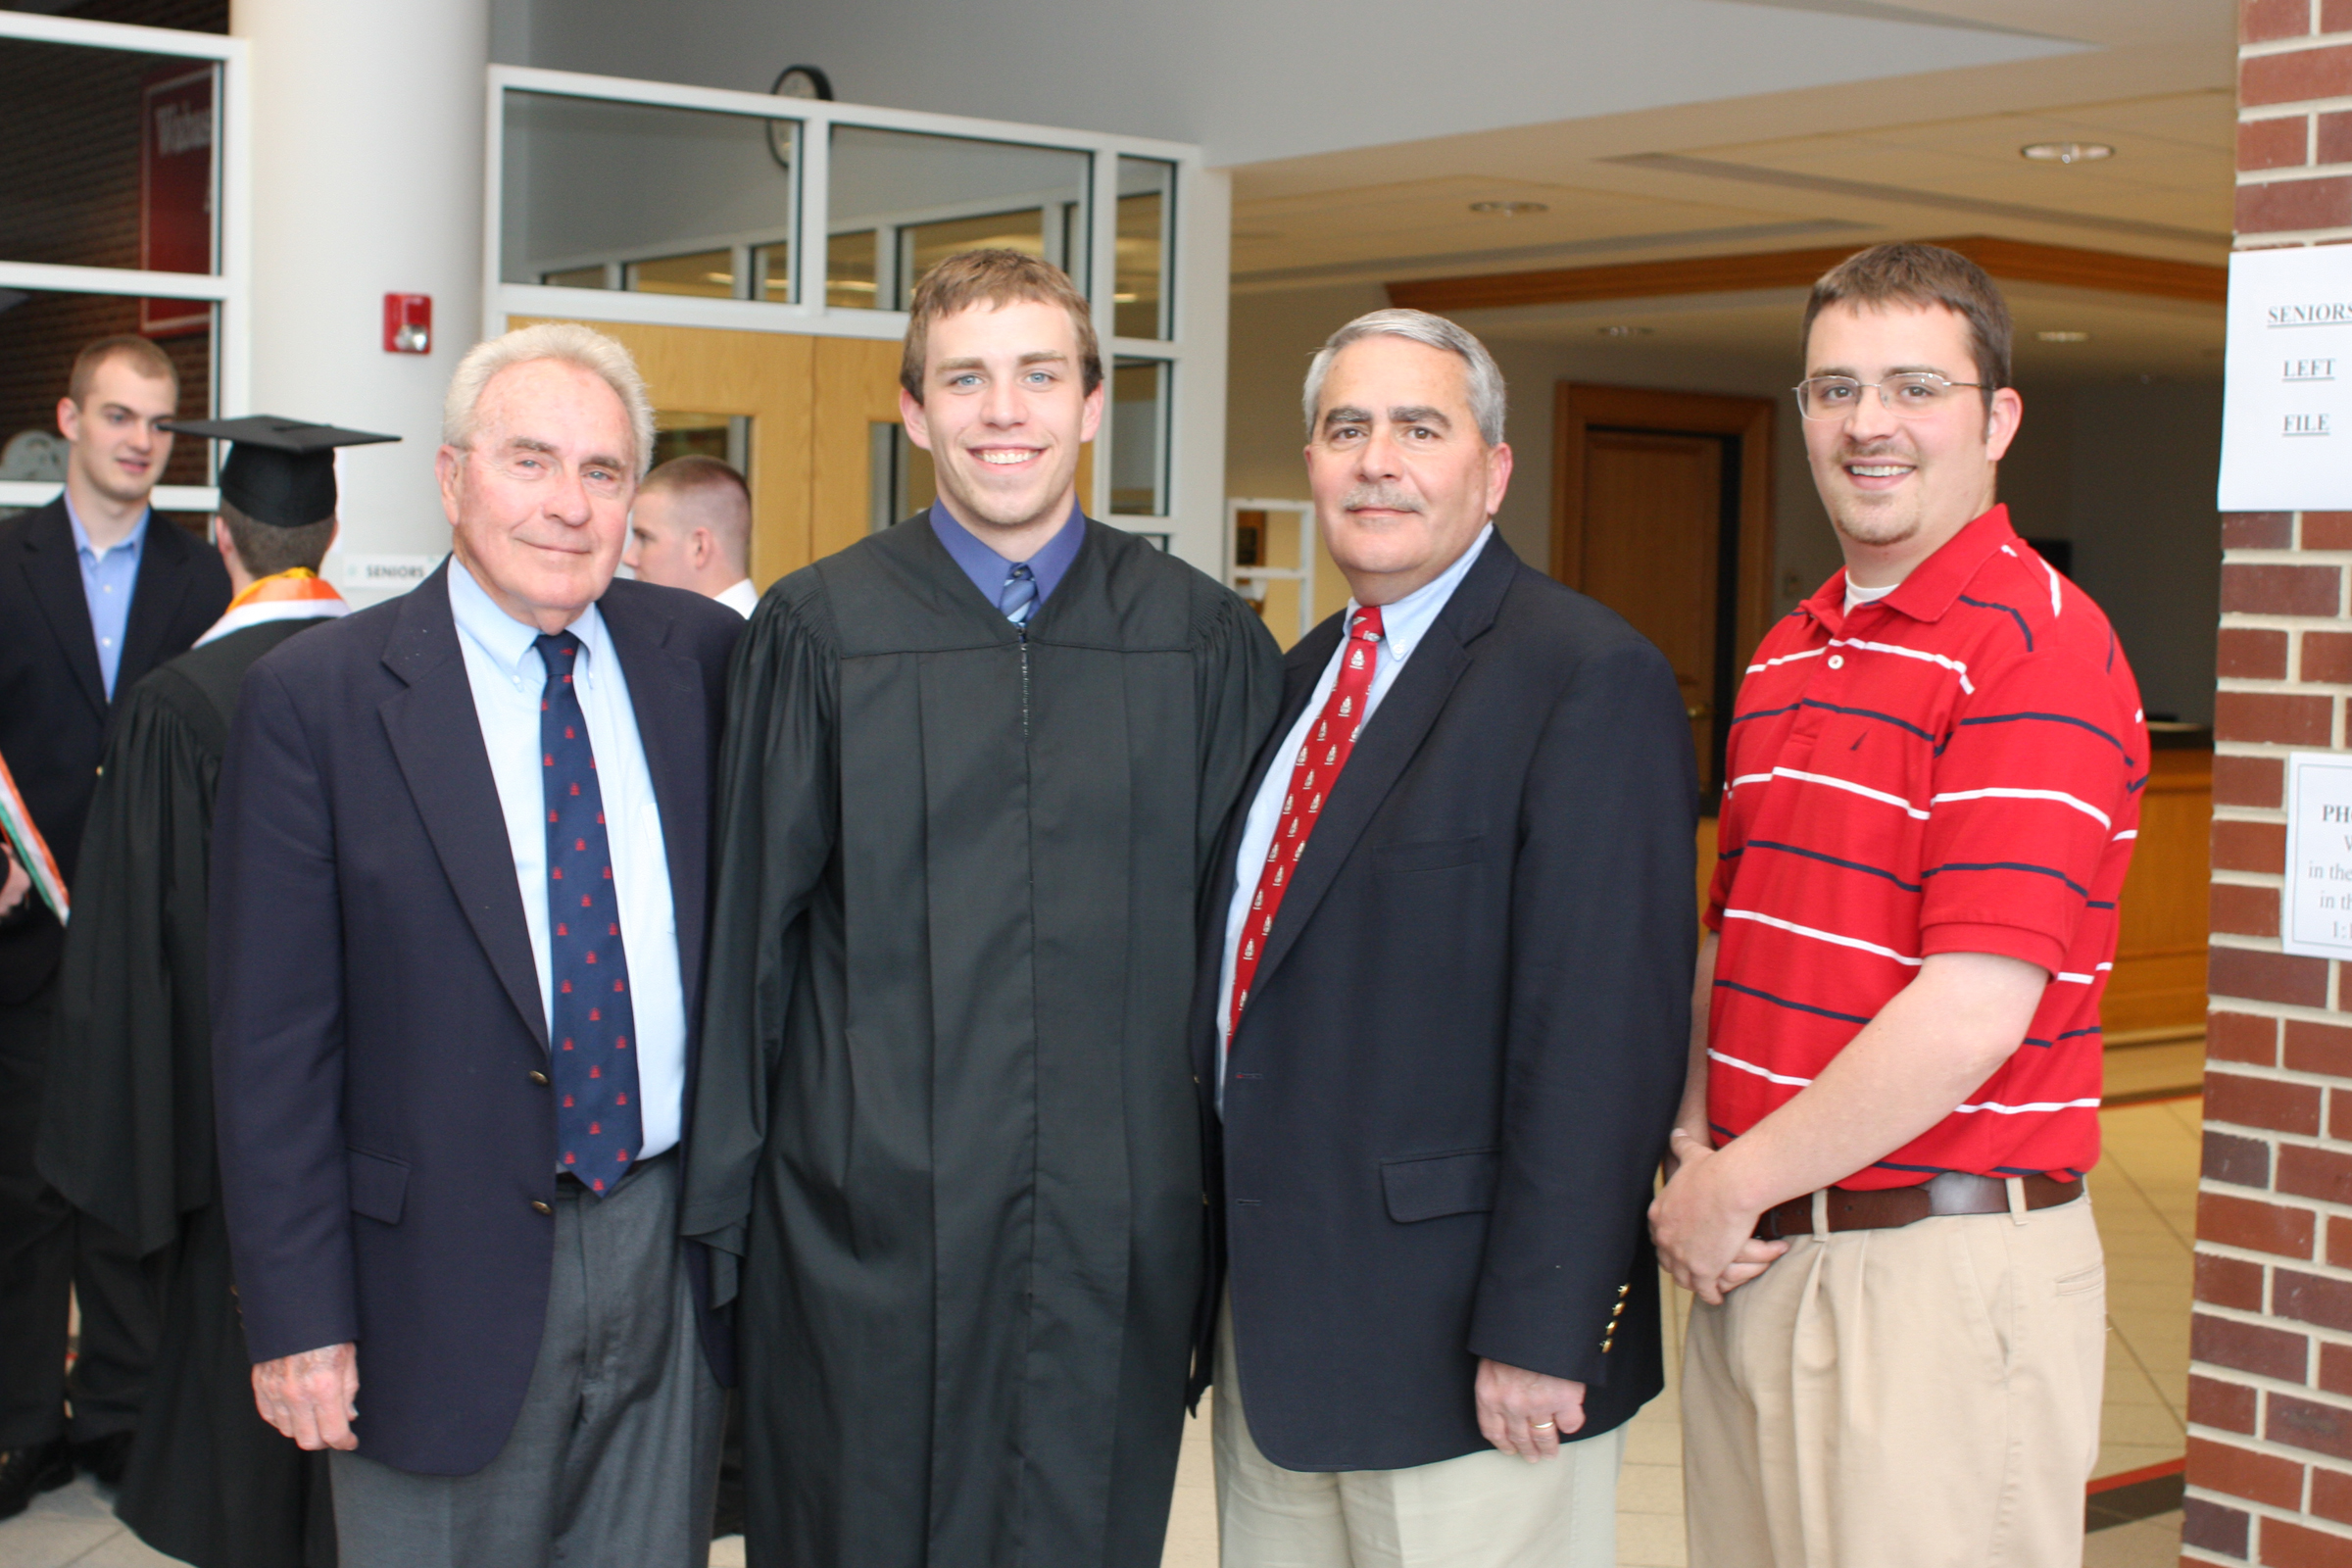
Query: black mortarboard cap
x,y
278,472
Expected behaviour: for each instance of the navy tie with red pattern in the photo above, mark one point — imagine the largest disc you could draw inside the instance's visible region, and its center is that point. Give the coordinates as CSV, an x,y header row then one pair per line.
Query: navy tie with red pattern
x,y
599,1126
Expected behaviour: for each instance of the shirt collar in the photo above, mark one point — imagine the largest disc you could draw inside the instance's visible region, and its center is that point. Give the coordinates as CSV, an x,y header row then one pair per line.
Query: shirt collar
x,y
1402,623
513,645
987,569
1935,583
130,542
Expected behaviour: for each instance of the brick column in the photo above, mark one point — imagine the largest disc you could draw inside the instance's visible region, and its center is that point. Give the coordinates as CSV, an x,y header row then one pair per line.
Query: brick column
x,y
2269,1396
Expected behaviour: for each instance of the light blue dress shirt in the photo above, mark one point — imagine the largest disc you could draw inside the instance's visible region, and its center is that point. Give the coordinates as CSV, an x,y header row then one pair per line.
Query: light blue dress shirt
x,y
989,570
507,676
108,577
1402,625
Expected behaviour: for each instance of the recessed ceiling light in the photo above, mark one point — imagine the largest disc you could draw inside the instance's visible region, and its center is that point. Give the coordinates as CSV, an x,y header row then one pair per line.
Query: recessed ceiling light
x,y
1510,209
2064,337
1622,330
2066,152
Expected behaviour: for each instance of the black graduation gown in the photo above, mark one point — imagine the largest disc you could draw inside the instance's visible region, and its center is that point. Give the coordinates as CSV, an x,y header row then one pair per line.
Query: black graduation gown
x,y
127,1131
946,1116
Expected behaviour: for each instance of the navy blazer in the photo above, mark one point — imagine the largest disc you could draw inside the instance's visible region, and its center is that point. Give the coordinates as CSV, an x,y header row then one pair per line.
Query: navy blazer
x,y
1466,1040
386,1153
54,709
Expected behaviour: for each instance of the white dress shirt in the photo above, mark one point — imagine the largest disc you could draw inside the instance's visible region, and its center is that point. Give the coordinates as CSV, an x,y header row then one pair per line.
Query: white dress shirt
x,y
508,677
1402,625
741,599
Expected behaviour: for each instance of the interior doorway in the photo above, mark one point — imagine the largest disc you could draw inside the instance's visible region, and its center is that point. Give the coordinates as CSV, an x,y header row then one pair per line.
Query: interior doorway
x,y
1662,511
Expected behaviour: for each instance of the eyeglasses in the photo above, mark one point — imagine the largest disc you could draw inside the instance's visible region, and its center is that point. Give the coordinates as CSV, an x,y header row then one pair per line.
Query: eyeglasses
x,y
1913,395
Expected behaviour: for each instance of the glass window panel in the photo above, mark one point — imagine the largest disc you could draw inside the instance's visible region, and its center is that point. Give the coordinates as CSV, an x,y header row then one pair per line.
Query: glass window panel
x,y
849,271
587,182
924,246
708,274
679,433
595,276
41,332
1138,438
107,158
904,482
1140,295
909,189
771,274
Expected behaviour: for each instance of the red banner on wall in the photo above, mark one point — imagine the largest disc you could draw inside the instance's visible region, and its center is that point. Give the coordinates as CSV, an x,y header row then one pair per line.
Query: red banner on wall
x,y
176,183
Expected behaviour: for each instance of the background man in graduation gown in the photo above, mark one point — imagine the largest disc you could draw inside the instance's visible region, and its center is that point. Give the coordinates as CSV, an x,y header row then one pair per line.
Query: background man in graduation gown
x,y
691,528
94,593
1443,1013
127,1128
456,913
973,769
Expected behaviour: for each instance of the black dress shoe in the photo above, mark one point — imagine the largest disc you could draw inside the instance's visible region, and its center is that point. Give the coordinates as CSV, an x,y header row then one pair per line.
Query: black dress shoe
x,y
104,1458
25,1473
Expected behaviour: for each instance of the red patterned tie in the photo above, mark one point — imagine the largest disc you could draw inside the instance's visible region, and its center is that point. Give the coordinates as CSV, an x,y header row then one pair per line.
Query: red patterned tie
x,y
1328,747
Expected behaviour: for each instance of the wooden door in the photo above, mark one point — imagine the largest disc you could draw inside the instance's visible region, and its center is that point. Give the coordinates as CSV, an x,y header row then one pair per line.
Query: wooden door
x,y
1662,511
812,403
1653,517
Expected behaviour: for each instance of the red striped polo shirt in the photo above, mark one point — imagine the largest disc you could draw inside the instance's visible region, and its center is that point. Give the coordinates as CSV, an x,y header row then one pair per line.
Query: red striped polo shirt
x,y
1954,768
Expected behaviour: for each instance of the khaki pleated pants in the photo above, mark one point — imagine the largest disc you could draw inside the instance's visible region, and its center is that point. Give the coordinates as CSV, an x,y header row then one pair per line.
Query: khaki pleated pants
x,y
1481,1510
1925,1396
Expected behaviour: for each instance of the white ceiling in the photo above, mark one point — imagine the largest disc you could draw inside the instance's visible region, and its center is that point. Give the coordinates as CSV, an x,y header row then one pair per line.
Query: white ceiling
x,y
1358,139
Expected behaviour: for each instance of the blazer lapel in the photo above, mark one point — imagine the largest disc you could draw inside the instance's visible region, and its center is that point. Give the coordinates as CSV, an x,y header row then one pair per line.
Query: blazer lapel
x,y
55,577
1391,738
164,578
665,692
437,737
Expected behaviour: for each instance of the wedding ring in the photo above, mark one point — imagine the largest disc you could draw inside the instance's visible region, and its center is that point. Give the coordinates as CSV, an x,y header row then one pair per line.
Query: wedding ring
x,y
1540,1425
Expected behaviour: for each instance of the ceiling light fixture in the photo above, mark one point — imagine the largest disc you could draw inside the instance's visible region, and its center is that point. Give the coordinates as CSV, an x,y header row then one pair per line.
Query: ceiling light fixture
x,y
2066,152
2064,337
1510,209
1622,330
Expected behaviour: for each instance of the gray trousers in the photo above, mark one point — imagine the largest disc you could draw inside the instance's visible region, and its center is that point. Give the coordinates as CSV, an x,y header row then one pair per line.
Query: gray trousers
x,y
613,1462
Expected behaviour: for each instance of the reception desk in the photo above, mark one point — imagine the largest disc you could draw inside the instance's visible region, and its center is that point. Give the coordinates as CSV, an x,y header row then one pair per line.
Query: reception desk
x,y
2158,989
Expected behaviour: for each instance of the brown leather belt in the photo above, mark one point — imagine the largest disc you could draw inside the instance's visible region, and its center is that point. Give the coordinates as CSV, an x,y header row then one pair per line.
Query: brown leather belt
x,y
1886,1208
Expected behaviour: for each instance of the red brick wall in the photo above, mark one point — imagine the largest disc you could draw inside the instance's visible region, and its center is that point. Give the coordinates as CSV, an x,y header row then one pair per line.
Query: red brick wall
x,y
2270,1397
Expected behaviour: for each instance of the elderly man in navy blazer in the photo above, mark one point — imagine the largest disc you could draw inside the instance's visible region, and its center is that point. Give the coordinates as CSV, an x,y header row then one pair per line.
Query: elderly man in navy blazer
x,y
1443,1017
457,895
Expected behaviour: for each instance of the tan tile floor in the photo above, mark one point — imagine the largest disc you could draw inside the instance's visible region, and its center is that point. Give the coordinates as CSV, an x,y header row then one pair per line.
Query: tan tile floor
x,y
2144,1191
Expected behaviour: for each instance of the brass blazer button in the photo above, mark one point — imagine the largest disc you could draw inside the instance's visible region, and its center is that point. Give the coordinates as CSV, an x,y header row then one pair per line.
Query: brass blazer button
x,y
542,1206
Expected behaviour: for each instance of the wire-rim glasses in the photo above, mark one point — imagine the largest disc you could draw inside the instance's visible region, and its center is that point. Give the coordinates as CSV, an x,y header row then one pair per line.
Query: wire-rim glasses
x,y
1912,395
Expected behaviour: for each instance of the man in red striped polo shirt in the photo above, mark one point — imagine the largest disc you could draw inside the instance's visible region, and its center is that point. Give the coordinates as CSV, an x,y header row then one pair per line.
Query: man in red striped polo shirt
x,y
1876,1185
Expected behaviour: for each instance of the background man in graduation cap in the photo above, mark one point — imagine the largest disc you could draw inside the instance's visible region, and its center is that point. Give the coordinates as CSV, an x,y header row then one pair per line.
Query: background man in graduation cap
x,y
457,920
691,528
973,767
126,1130
94,593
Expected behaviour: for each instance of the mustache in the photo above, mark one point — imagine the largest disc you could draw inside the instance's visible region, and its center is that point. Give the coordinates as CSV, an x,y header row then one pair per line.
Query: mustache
x,y
1386,497
1873,450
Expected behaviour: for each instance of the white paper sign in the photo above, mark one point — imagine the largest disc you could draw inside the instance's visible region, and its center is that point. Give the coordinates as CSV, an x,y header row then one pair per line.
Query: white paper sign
x,y
2286,412
2315,918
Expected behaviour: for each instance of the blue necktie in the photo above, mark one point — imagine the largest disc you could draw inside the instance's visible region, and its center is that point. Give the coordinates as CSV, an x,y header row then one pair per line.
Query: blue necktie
x,y
1017,599
599,1124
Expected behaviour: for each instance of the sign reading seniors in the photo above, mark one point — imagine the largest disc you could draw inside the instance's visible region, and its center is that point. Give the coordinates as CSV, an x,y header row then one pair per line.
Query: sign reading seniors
x,y
2316,917
2286,420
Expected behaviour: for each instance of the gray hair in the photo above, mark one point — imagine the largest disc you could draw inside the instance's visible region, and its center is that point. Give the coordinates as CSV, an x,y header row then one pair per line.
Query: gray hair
x,y
568,343
1488,398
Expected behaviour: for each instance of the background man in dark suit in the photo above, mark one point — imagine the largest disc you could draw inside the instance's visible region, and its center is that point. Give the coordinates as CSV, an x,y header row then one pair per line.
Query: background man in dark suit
x,y
94,593
458,916
1443,1016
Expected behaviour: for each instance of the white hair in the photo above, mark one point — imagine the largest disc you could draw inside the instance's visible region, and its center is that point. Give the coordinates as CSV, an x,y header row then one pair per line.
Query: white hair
x,y
1488,398
567,342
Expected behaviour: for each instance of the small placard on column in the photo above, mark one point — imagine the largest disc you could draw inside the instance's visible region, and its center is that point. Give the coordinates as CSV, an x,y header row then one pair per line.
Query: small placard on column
x,y
2315,915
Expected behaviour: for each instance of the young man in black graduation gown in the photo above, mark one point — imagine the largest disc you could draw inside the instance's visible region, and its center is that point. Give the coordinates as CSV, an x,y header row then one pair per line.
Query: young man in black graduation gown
x,y
126,1130
944,1120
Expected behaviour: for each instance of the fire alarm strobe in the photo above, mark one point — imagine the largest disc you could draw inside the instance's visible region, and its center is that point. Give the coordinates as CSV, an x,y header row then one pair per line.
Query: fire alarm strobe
x,y
408,323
